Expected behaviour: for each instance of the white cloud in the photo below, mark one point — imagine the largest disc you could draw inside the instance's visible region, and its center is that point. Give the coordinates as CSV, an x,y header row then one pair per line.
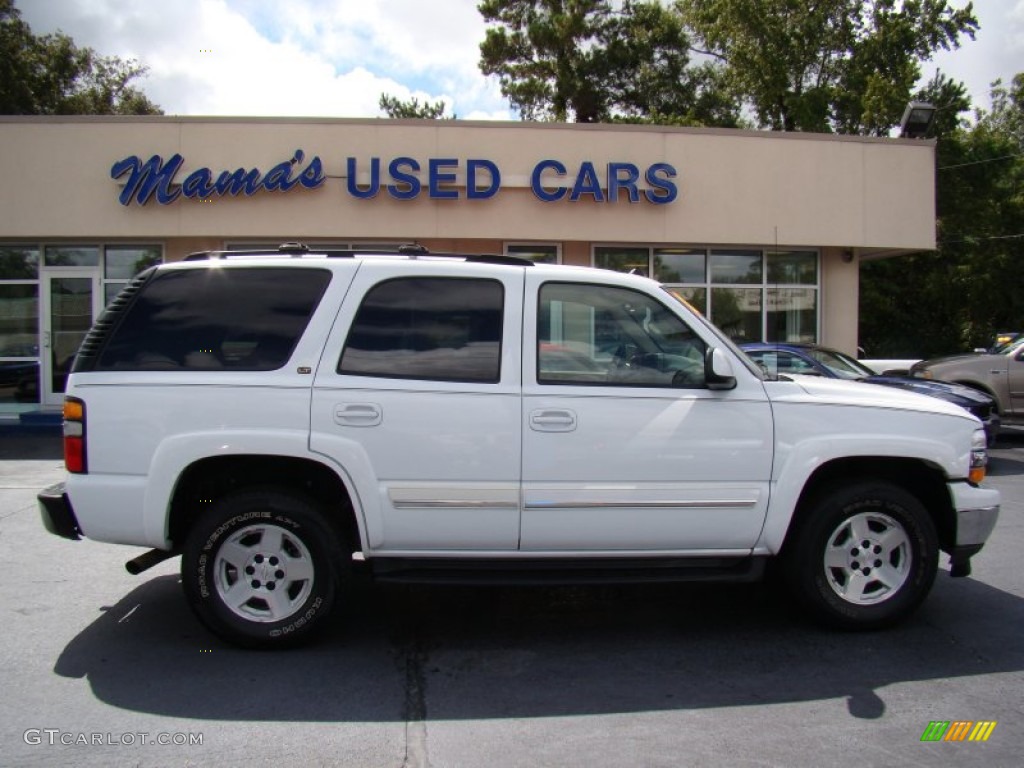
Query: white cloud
x,y
335,57
301,58
995,53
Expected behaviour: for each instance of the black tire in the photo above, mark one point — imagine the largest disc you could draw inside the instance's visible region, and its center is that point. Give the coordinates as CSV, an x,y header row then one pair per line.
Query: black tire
x,y
863,557
261,568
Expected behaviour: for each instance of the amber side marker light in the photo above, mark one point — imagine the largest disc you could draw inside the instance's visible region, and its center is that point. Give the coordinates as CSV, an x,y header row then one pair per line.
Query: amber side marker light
x,y
979,458
74,435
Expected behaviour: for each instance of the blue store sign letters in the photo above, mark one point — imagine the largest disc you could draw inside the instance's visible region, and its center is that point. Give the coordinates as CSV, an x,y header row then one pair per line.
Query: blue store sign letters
x,y
403,178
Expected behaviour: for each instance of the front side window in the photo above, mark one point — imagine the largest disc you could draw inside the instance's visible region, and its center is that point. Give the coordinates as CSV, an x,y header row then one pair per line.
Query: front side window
x,y
603,335
430,328
241,319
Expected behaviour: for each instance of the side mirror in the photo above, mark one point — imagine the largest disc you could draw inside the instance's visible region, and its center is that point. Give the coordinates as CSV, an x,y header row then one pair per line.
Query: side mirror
x,y
718,370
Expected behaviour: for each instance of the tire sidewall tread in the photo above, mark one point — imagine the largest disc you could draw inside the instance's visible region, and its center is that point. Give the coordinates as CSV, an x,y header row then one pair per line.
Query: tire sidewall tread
x,y
803,556
289,510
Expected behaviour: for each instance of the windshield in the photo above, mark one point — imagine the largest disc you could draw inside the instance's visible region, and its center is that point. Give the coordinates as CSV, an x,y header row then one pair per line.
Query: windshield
x,y
839,365
1010,348
724,340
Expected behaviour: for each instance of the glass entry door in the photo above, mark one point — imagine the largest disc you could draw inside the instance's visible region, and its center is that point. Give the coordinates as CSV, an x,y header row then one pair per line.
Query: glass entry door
x,y
69,308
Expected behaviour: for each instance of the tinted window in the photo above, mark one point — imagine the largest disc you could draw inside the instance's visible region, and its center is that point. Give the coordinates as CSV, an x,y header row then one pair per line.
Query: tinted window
x,y
247,319
441,329
602,335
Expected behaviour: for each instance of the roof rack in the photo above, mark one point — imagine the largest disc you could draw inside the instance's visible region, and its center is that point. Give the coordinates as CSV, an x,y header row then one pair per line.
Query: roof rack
x,y
296,249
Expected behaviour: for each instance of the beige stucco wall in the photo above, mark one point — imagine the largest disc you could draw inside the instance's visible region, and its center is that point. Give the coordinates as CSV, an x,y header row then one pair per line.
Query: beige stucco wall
x,y
846,196
735,187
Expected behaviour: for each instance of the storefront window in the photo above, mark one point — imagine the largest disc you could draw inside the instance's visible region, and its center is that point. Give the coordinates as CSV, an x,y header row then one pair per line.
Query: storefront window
x,y
792,315
623,259
695,297
799,267
72,256
680,265
37,346
736,267
123,262
19,338
749,293
542,253
19,262
737,311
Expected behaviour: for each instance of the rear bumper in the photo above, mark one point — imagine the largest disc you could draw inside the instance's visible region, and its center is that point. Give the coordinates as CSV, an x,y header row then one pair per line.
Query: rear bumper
x,y
57,513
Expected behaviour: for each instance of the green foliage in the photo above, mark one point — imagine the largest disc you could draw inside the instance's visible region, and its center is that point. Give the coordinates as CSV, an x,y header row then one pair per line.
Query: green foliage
x,y
833,66
397,109
592,61
958,297
50,75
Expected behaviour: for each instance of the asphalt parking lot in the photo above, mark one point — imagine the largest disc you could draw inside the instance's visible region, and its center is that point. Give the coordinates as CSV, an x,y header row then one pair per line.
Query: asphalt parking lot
x,y
99,667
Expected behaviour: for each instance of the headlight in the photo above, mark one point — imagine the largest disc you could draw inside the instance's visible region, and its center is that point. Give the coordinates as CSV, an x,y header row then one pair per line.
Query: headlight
x,y
979,456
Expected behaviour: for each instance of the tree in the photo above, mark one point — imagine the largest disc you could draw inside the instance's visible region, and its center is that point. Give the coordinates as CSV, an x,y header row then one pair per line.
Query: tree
x,y
50,75
397,109
958,296
590,61
842,66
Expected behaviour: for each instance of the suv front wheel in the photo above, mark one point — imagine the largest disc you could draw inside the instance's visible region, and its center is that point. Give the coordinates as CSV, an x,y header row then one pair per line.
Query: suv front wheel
x,y
261,567
864,557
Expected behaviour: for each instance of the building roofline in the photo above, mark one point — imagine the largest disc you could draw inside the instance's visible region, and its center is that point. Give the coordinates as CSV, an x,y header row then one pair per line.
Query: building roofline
x,y
454,124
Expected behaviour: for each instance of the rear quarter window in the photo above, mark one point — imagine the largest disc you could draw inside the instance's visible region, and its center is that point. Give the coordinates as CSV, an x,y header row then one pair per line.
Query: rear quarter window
x,y
242,319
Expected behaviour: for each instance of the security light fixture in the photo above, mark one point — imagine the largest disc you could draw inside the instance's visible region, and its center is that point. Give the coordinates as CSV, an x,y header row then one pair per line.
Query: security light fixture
x,y
917,120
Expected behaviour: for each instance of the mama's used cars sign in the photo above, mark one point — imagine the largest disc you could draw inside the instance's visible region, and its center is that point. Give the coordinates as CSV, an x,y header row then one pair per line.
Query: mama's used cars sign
x,y
403,178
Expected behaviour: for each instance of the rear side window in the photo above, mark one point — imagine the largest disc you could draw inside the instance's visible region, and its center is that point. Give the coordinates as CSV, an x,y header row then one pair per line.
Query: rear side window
x,y
242,319
437,329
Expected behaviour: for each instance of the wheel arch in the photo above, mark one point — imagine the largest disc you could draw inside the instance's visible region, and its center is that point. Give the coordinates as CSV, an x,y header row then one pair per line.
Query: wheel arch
x,y
208,479
926,482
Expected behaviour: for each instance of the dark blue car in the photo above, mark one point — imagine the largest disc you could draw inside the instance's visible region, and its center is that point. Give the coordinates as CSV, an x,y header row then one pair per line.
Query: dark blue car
x,y
814,360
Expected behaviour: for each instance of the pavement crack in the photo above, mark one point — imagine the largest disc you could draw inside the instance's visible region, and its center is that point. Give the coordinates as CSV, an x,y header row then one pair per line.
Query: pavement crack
x,y
415,708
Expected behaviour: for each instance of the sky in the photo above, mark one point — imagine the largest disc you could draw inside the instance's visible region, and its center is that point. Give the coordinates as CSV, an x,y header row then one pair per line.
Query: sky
x,y
334,58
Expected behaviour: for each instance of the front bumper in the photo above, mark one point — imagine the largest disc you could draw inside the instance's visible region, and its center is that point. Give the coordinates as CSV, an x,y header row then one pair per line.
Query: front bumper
x,y
57,513
993,424
977,510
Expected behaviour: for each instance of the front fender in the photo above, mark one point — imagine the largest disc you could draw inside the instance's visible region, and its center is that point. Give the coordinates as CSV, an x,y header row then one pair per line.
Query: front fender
x,y
799,458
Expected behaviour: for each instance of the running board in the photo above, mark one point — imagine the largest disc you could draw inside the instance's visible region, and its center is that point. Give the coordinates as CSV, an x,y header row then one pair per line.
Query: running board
x,y
543,571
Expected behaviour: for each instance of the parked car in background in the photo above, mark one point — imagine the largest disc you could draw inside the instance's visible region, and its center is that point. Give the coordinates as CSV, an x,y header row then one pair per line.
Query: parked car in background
x,y
999,374
889,366
1004,339
816,360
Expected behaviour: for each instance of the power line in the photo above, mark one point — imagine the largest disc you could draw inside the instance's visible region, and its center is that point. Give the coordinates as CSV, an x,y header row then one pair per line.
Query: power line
x,y
979,239
982,162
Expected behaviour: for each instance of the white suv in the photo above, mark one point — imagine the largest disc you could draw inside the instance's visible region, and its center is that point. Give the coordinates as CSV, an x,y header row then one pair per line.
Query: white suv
x,y
280,418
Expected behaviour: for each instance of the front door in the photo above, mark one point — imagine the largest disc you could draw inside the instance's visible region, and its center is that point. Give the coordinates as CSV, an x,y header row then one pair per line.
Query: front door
x,y
625,448
69,309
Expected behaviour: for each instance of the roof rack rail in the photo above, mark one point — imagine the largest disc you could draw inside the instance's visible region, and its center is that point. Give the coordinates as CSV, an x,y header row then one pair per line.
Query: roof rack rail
x,y
412,250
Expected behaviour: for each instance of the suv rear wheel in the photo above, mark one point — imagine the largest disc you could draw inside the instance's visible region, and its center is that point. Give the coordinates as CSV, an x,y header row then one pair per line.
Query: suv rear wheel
x,y
261,568
864,557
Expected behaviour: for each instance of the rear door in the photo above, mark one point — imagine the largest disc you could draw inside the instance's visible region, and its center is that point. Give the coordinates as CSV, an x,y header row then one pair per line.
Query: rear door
x,y
417,399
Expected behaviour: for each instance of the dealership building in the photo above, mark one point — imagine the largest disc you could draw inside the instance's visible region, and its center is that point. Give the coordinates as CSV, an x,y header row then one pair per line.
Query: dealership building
x,y
764,232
